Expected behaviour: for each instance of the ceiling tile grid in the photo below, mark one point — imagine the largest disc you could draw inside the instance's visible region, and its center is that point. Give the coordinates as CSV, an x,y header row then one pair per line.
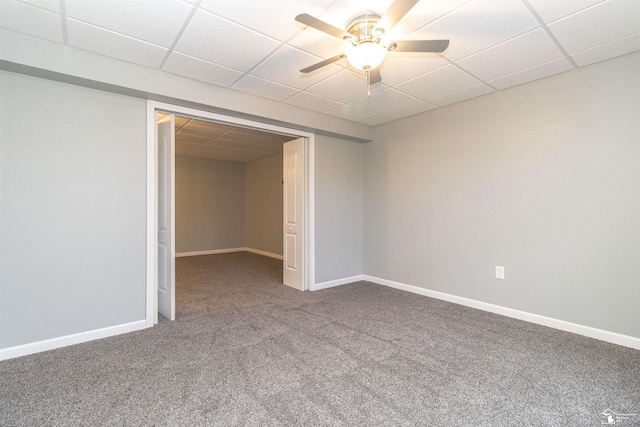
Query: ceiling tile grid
x,y
257,47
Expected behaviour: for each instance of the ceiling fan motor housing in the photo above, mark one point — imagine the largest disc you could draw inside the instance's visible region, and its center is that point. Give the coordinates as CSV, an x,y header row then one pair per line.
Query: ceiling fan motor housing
x,y
364,29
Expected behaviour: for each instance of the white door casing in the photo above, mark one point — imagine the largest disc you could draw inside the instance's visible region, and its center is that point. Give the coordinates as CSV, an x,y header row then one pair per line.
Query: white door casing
x,y
294,175
166,218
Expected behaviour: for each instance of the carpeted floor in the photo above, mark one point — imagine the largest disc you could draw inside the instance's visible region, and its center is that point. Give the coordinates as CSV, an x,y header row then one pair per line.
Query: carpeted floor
x,y
248,351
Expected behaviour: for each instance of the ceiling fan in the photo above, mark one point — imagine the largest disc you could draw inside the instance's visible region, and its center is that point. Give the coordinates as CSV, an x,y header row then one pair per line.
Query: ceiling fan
x,y
367,44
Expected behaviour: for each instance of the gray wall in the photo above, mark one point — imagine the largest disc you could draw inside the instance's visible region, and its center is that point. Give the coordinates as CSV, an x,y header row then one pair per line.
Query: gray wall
x,y
263,209
210,199
72,209
338,208
543,179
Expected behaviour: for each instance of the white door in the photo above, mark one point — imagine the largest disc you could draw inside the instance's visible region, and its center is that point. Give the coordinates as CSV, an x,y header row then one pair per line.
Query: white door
x,y
166,221
293,209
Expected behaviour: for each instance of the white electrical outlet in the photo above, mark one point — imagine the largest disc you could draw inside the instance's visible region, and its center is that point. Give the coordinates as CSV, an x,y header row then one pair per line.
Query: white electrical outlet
x,y
499,272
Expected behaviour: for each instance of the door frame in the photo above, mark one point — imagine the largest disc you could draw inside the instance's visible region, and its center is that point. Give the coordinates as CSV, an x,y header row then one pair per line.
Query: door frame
x,y
152,191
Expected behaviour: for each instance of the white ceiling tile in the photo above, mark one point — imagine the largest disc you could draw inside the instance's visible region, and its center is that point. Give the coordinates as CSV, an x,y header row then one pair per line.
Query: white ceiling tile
x,y
112,44
52,5
437,83
551,10
222,42
30,20
416,109
478,25
180,121
463,95
312,102
399,67
319,44
350,112
343,11
534,73
608,50
424,13
199,69
196,129
276,19
220,142
184,148
213,149
191,139
345,86
264,88
377,120
597,25
157,21
522,52
204,154
386,100
285,64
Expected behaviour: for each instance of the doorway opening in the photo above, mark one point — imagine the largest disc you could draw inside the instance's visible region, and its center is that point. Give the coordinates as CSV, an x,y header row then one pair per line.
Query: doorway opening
x,y
212,136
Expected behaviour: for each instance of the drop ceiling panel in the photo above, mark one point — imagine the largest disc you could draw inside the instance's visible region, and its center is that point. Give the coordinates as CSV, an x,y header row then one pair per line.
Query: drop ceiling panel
x,y
222,42
437,83
344,86
157,21
184,148
608,50
602,23
192,139
462,95
52,5
275,19
534,73
377,120
551,10
199,69
30,20
385,101
350,112
112,44
525,51
196,129
312,102
257,47
264,88
416,109
285,64
502,20
400,67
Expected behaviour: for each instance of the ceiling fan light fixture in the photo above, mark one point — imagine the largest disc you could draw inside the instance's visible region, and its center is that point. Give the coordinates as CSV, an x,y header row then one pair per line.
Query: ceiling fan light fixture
x,y
367,55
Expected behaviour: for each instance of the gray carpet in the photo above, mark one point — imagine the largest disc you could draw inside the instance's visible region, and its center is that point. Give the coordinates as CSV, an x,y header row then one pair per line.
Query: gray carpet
x,y
248,351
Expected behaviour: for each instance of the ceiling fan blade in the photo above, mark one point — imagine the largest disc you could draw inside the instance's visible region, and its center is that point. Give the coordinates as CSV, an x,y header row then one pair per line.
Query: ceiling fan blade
x,y
436,46
322,63
395,13
321,25
374,76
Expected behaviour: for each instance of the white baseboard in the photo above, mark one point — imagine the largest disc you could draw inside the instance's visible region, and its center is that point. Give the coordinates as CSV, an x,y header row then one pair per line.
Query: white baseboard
x,y
337,282
225,251
210,252
67,340
587,331
259,252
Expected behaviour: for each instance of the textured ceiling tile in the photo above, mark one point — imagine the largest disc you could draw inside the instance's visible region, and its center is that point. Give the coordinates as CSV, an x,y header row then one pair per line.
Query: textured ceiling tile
x,y
312,102
463,95
437,83
478,25
318,43
416,109
377,120
199,69
157,21
424,13
551,10
596,25
385,101
222,42
350,112
30,20
264,88
285,64
530,74
345,86
52,5
112,44
275,19
400,67
608,50
522,52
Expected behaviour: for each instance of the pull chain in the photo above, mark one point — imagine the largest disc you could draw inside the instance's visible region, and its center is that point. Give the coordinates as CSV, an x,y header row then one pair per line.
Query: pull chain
x,y
368,73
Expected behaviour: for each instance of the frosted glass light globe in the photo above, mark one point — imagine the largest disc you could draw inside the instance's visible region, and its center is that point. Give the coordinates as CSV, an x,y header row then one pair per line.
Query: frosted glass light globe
x,y
367,55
